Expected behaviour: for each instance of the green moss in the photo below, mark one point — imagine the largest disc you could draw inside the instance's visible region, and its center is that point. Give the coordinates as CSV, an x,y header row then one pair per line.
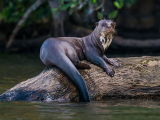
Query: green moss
x,y
145,62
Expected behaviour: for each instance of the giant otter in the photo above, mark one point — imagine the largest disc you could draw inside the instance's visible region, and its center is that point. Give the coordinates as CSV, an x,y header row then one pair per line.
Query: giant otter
x,y
67,53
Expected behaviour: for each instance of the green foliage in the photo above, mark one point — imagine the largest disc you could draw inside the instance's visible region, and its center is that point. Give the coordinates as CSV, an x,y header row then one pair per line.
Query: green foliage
x,y
94,1
129,3
71,5
113,14
62,1
99,15
71,11
65,7
118,4
13,10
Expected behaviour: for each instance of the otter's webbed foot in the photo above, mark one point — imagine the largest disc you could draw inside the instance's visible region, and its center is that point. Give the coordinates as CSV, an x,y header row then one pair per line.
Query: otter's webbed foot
x,y
111,61
81,65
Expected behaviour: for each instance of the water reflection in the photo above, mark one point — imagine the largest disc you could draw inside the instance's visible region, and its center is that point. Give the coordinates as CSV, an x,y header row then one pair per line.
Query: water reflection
x,y
110,109
18,68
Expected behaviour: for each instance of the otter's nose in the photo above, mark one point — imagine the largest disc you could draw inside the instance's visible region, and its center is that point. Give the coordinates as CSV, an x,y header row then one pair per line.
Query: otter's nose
x,y
109,26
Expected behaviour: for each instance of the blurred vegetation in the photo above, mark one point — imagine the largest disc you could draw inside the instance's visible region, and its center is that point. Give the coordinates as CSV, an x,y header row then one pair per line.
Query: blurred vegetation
x,y
135,19
11,11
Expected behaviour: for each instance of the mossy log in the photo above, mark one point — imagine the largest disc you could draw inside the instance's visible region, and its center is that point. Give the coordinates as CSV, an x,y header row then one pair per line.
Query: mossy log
x,y
138,77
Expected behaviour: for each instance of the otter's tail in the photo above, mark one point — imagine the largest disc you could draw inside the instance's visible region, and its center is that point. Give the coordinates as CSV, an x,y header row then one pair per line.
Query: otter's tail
x,y
64,63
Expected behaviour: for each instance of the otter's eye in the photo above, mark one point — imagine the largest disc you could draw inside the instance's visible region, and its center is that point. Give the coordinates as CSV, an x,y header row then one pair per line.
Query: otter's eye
x,y
104,24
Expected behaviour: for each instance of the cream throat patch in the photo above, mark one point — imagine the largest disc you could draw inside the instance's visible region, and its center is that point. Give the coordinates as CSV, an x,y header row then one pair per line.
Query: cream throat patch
x,y
106,40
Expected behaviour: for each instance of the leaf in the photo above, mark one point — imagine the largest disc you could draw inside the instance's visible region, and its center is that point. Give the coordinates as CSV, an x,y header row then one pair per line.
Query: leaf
x,y
118,4
71,11
94,1
121,5
56,12
65,7
113,14
99,15
54,9
6,13
73,5
61,1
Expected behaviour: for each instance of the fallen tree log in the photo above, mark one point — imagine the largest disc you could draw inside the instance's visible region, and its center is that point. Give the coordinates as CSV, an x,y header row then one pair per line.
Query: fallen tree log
x,y
132,43
138,77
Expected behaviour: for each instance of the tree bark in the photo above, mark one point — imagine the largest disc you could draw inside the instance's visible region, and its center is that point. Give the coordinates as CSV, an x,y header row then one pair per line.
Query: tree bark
x,y
138,77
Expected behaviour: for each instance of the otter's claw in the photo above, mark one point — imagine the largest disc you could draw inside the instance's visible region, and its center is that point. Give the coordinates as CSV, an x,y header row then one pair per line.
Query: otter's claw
x,y
115,63
110,72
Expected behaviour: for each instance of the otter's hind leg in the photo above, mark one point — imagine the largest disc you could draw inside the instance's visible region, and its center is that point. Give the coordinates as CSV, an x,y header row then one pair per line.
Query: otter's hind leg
x,y
81,65
76,62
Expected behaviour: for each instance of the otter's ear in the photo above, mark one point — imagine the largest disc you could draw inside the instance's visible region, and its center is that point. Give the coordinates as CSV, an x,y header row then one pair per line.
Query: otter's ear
x,y
96,24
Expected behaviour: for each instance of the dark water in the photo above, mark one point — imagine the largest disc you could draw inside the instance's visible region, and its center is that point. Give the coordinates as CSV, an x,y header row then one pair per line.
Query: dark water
x,y
17,68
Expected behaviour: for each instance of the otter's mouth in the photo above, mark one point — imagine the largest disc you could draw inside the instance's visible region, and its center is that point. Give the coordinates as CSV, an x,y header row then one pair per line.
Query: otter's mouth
x,y
109,31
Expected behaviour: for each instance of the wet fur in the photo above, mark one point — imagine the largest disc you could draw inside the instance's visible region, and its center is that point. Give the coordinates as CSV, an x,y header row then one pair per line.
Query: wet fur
x,y
66,53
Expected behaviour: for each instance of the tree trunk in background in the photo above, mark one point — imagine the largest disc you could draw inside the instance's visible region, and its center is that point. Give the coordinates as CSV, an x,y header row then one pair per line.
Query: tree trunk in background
x,y
58,18
138,77
108,8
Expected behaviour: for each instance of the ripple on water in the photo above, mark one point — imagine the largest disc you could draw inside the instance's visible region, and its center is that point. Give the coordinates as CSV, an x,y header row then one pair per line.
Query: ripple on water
x,y
17,68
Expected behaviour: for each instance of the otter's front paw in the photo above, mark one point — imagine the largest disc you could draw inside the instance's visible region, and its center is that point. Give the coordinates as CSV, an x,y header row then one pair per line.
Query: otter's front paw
x,y
111,61
110,72
115,63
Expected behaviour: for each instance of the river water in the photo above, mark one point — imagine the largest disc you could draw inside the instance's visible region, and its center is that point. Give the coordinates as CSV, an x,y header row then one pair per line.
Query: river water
x,y
17,68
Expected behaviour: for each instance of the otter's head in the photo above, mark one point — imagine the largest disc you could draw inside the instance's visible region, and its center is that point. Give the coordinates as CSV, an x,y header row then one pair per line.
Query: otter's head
x,y
106,29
